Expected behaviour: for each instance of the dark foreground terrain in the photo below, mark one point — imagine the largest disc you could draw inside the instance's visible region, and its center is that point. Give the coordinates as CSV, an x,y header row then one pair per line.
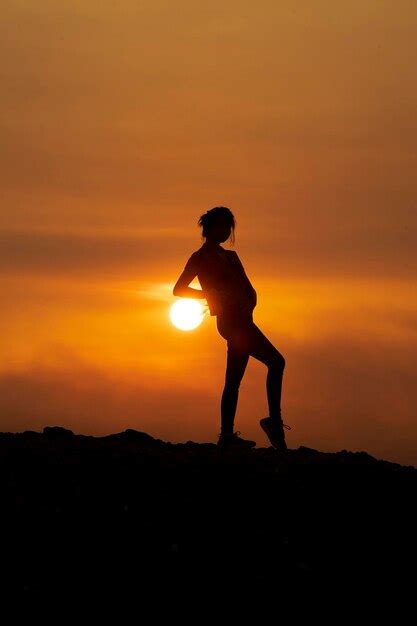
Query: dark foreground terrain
x,y
127,515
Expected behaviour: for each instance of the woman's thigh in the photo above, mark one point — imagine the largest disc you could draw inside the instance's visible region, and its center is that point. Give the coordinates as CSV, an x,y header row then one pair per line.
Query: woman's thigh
x,y
261,348
245,337
237,360
234,328
235,332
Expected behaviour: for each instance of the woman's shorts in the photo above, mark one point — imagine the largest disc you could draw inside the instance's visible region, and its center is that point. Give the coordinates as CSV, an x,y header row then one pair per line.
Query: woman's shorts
x,y
234,326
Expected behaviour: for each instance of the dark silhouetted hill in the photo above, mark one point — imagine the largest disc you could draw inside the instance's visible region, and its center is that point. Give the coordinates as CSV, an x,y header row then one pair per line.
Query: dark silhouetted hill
x,y
127,514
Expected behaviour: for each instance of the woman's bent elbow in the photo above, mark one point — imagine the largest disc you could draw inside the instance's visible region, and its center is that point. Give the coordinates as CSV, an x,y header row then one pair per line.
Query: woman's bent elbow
x,y
179,291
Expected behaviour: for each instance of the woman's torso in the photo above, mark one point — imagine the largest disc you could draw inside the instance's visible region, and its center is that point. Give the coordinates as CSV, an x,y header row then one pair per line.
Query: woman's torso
x,y
220,269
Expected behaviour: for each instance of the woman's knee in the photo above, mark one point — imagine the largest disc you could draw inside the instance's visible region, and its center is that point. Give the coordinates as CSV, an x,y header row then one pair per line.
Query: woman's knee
x,y
232,383
277,362
233,376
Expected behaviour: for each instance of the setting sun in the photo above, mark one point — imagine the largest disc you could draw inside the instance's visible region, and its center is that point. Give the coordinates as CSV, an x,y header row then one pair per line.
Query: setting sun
x,y
186,314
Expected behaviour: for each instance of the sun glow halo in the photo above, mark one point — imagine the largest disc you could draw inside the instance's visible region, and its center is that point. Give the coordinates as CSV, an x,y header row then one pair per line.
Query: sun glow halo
x,y
186,314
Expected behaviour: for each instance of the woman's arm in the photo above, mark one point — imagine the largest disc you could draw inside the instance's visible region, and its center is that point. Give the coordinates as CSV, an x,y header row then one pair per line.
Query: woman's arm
x,y
189,292
181,287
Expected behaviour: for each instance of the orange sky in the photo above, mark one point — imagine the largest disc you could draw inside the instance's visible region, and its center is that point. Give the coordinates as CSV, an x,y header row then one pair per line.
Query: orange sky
x,y
121,124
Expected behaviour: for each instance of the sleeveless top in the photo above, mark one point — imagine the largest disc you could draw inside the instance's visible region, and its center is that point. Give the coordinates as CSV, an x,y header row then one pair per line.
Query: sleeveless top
x,y
222,277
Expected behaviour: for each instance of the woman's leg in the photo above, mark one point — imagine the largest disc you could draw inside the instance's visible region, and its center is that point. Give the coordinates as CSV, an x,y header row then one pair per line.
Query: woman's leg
x,y
237,359
262,349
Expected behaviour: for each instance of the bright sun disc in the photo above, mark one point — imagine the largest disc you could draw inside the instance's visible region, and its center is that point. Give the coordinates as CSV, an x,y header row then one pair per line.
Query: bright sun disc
x,y
186,314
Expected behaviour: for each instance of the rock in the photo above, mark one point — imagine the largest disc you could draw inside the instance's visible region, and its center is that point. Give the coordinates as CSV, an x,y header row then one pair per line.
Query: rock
x,y
134,436
57,432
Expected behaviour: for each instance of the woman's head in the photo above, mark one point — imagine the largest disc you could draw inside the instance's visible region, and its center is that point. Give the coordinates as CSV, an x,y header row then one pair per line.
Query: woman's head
x,y
218,224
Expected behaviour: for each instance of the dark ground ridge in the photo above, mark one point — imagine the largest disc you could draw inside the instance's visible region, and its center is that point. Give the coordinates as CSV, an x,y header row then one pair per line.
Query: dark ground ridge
x,y
129,513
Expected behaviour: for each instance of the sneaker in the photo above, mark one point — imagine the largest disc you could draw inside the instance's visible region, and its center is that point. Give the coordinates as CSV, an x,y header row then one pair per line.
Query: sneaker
x,y
233,440
274,429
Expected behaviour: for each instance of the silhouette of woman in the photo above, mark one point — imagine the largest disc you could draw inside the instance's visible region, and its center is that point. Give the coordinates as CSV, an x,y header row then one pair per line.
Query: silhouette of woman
x,y
231,297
